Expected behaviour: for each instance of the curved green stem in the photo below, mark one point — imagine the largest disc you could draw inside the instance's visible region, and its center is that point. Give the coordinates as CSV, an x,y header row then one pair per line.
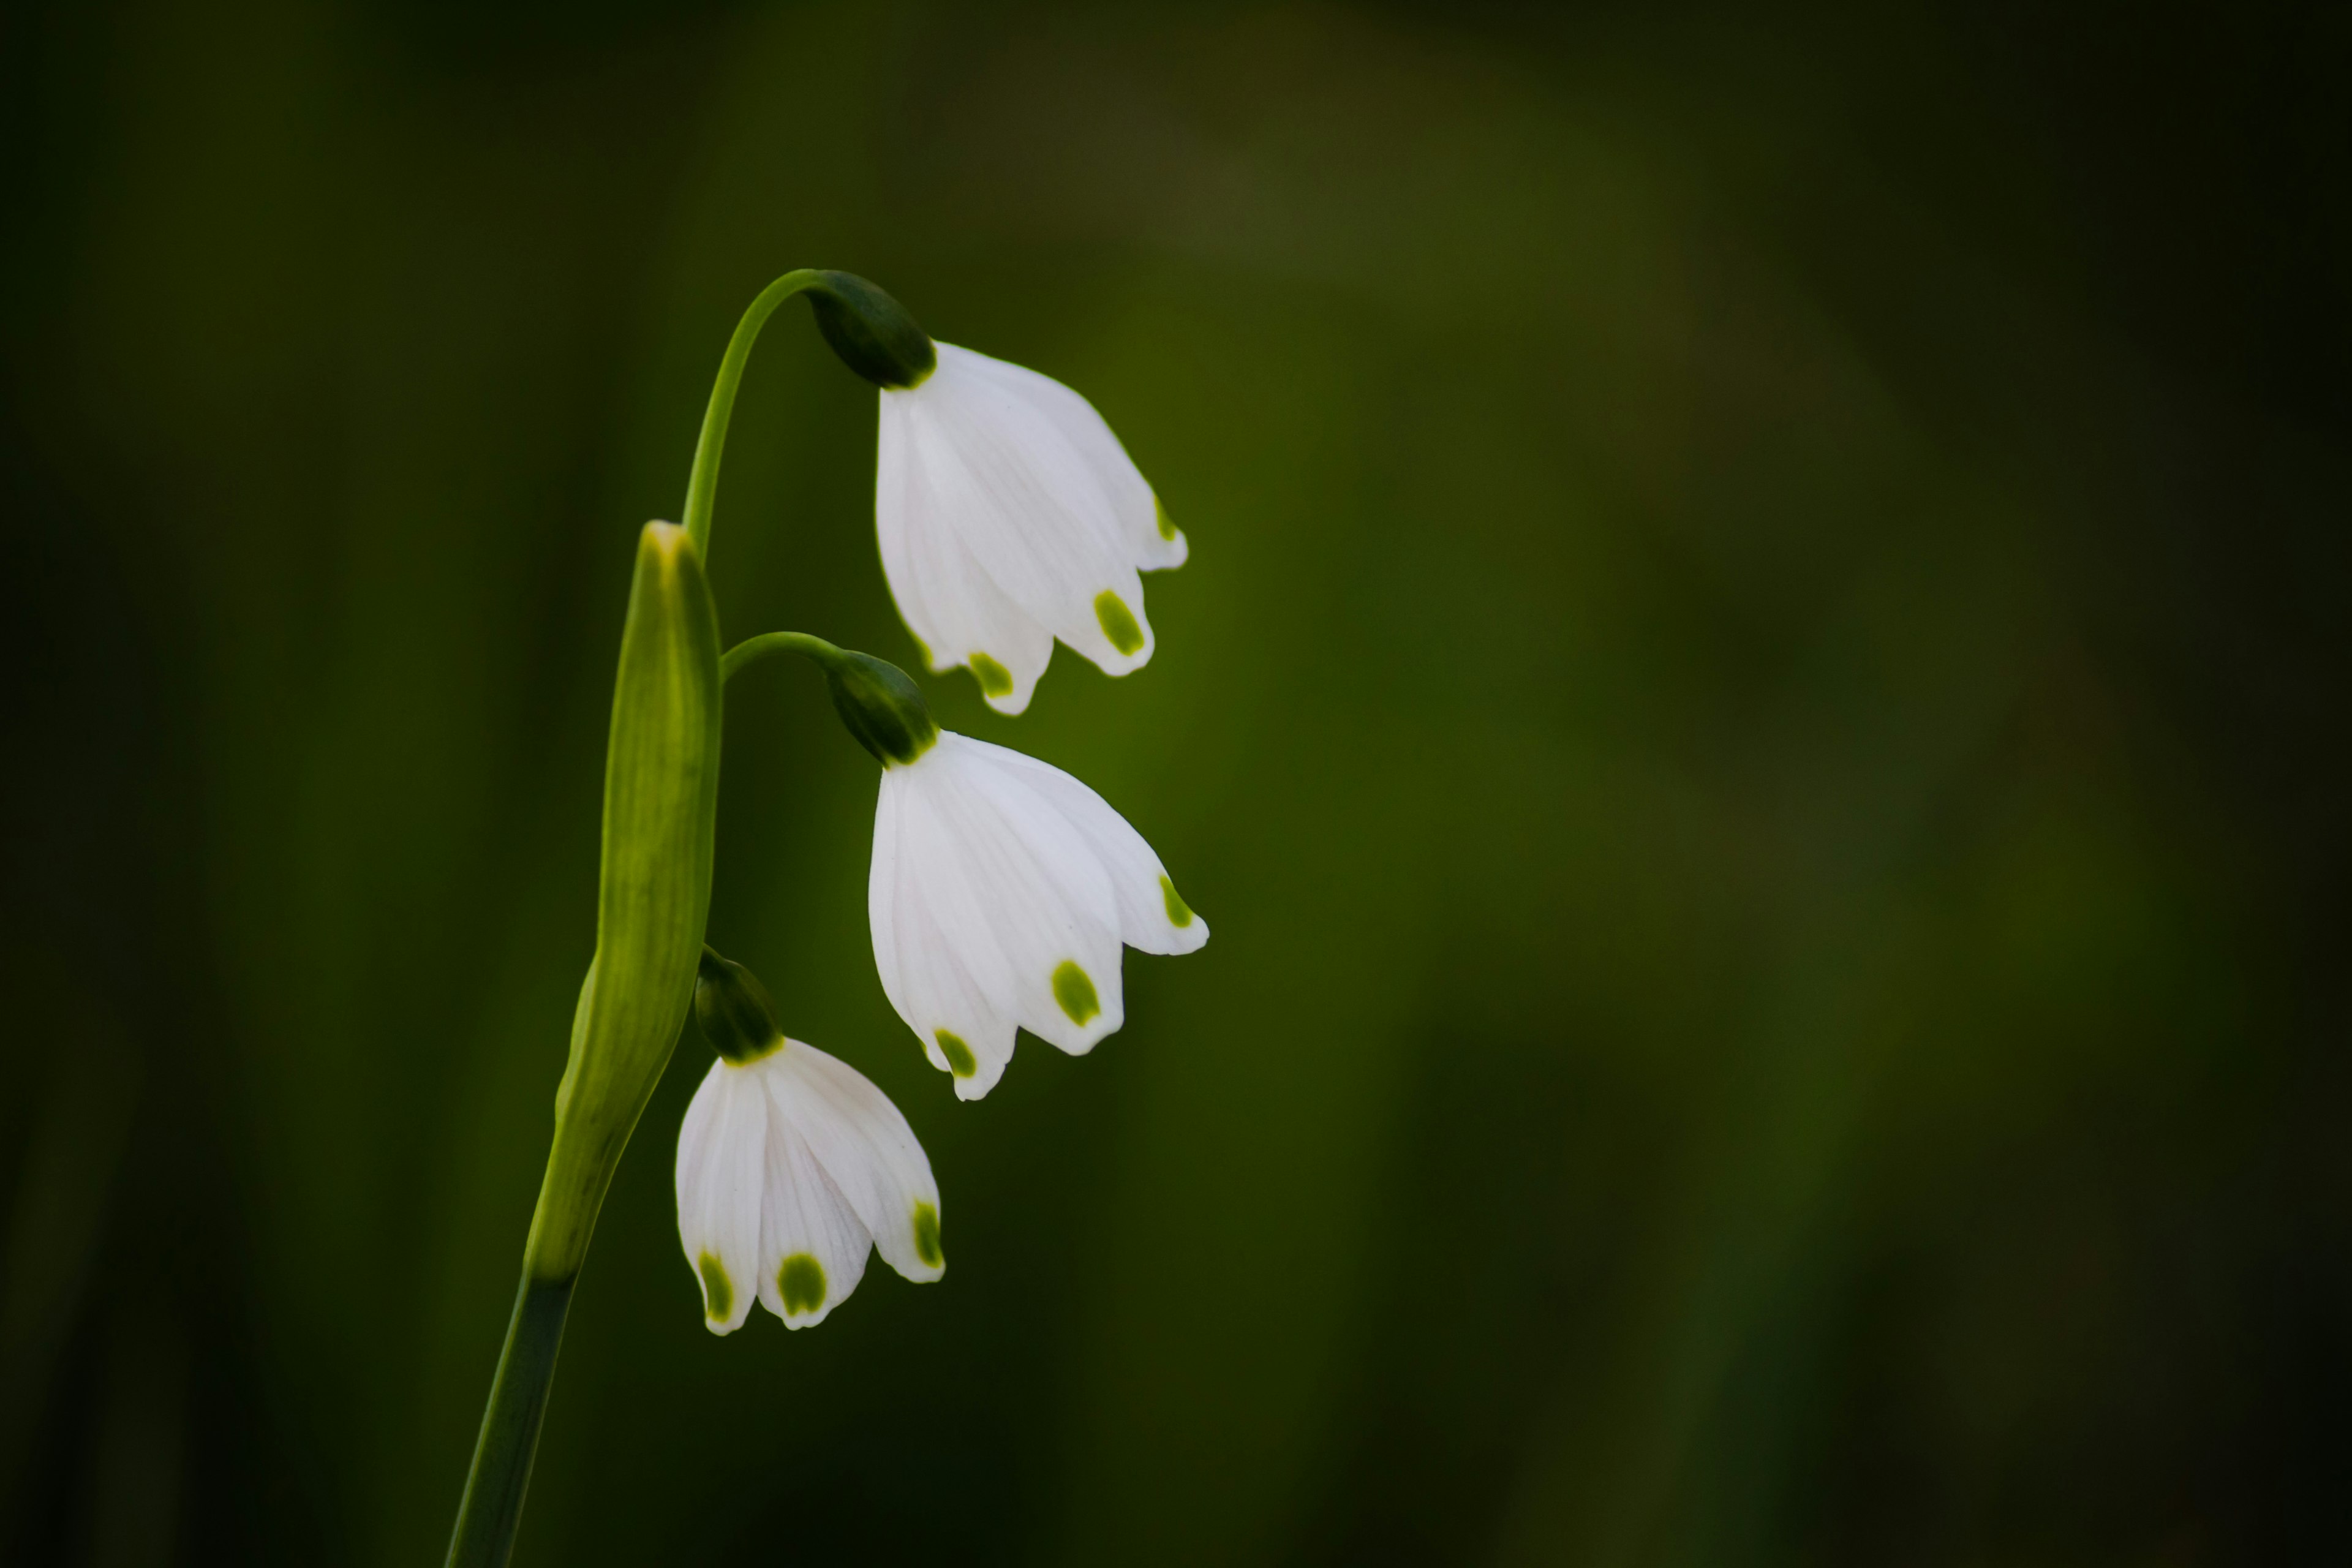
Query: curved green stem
x,y
702,484
750,651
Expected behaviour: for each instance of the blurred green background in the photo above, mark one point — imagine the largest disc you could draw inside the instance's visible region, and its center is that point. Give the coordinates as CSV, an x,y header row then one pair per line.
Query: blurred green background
x,y
1756,710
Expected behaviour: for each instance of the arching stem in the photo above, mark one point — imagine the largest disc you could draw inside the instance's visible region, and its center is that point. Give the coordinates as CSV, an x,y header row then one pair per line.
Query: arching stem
x,y
751,650
702,484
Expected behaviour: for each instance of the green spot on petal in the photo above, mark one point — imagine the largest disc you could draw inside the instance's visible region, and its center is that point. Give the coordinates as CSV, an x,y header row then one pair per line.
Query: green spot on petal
x,y
1118,622
718,1295
994,678
927,1236
1075,992
802,1280
1167,523
961,1061
1180,913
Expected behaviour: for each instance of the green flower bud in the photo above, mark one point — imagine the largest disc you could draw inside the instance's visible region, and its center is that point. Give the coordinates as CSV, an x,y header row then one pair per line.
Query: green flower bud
x,y
871,331
883,708
661,808
733,1008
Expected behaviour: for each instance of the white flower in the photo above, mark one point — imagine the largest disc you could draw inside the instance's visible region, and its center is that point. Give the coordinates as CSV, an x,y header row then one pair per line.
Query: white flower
x,y
1010,516
1001,893
789,1168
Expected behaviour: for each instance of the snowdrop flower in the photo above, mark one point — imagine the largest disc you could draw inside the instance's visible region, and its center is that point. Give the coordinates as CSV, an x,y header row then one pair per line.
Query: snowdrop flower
x,y
1010,516
1001,889
791,1166
1000,894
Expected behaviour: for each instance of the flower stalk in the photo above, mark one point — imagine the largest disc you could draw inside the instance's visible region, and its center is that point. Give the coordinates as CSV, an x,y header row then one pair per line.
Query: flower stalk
x,y
661,805
871,332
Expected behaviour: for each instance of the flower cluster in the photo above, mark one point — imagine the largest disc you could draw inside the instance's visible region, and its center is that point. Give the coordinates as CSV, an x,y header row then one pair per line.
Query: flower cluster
x,y
1002,891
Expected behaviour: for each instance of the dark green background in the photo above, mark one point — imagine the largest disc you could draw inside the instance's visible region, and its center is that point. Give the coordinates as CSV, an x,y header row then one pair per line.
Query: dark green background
x,y
1756,710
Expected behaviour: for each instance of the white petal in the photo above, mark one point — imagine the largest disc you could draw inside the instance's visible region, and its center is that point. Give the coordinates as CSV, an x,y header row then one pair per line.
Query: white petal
x,y
1002,893
1152,917
812,1244
959,1005
949,602
1086,623
985,474
1001,872
867,1151
1027,505
722,1158
882,887
1089,435
973,1033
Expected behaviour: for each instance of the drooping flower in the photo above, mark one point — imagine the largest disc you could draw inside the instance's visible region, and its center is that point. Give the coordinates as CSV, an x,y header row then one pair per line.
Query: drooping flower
x,y
1010,516
790,1166
1001,893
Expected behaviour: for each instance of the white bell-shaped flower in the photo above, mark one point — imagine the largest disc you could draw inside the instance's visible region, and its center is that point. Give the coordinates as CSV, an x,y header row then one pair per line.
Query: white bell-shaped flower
x,y
1010,516
790,1167
1000,894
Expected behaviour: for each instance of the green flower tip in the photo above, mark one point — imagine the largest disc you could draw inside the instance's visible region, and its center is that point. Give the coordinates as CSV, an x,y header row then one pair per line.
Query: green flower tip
x,y
1118,622
718,1294
995,681
800,1282
926,1235
871,332
960,1059
1075,990
733,1010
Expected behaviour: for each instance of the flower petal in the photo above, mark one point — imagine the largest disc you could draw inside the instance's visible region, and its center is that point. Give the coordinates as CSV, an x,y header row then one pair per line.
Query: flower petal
x,y
867,1151
1108,627
1007,871
722,1158
959,1004
813,1245
1156,543
953,607
1003,893
970,455
1152,917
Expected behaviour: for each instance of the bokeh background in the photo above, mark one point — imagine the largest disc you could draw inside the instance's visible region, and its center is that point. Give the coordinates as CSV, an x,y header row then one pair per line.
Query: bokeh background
x,y
1756,710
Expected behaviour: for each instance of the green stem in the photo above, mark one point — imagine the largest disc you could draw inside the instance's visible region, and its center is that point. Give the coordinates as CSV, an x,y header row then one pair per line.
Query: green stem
x,y
653,901
492,1508
702,484
752,649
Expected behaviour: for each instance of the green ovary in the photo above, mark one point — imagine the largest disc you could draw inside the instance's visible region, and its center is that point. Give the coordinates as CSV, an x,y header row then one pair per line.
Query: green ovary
x,y
718,1294
1180,913
927,1236
802,1282
1118,622
994,679
961,1061
1076,991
